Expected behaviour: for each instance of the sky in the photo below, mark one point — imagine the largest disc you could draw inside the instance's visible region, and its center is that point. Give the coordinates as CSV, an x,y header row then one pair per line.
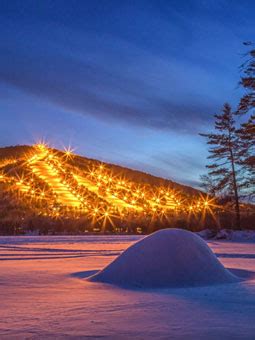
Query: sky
x,y
126,82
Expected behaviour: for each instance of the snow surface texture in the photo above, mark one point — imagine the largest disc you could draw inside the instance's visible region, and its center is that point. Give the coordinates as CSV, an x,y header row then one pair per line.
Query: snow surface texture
x,y
228,234
44,295
166,258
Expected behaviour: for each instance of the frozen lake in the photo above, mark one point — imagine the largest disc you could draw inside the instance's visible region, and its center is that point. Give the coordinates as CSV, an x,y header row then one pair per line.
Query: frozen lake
x,y
44,294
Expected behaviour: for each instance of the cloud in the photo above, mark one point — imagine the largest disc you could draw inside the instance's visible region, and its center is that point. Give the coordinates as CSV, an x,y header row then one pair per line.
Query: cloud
x,y
165,71
108,78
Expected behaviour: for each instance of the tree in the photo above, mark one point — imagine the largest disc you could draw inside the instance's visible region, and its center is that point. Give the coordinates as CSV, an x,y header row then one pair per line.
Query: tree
x,y
224,150
246,133
208,184
247,81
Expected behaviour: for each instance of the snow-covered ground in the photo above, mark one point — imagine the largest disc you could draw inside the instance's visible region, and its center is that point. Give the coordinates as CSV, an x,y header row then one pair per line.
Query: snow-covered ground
x,y
228,234
44,294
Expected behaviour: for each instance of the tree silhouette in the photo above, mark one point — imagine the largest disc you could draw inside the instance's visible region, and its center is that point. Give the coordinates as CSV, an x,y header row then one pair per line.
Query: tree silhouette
x,y
224,153
246,133
247,81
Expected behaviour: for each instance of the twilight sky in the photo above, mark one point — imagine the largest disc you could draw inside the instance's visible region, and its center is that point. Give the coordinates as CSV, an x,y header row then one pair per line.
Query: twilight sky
x,y
127,82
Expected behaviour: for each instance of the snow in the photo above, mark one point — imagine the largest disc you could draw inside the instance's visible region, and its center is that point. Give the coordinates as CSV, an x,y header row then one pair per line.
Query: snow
x,y
45,295
227,234
166,258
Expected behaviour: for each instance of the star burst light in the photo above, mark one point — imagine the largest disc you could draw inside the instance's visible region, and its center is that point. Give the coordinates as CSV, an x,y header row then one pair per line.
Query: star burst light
x,y
69,152
99,193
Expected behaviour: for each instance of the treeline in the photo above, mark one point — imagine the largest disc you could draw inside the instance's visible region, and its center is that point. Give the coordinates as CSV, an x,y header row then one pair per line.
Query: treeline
x,y
29,223
231,168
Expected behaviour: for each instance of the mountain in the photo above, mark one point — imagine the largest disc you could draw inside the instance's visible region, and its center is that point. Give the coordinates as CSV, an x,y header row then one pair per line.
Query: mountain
x,y
42,185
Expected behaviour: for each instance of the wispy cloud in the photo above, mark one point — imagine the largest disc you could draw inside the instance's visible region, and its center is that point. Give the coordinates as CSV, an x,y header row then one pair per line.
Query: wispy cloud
x,y
110,78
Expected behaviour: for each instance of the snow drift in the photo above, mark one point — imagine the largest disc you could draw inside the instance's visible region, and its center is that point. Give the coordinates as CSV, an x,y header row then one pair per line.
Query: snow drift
x,y
228,235
166,258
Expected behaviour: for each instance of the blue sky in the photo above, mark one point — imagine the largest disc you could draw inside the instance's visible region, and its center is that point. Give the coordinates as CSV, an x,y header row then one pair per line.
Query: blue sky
x,y
128,82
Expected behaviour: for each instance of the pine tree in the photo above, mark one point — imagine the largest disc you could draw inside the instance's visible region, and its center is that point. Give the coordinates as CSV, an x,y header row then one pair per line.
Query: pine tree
x,y
246,132
247,81
224,153
246,135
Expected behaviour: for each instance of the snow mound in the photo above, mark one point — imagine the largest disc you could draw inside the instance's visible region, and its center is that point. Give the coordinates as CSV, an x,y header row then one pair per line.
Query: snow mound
x,y
166,258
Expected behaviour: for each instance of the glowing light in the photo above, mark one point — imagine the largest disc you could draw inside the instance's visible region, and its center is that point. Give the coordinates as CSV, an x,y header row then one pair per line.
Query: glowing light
x,y
68,151
73,189
41,145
